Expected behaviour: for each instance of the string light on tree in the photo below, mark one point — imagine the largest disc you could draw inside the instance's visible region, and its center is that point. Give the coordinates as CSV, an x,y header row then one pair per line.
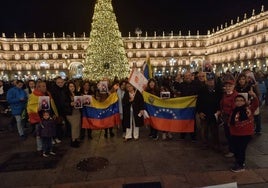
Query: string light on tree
x,y
106,56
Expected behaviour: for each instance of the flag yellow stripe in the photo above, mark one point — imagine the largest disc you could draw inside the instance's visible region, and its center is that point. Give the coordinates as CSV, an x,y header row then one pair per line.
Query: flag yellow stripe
x,y
181,102
112,98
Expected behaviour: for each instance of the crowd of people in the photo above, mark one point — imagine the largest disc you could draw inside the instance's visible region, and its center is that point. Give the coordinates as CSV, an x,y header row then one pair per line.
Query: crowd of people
x,y
231,100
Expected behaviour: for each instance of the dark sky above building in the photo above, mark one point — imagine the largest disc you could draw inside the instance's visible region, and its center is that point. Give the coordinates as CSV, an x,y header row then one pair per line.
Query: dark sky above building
x,y
47,16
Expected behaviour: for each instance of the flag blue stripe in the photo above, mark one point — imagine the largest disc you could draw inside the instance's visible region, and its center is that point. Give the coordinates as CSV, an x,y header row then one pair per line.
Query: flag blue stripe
x,y
92,112
146,71
171,113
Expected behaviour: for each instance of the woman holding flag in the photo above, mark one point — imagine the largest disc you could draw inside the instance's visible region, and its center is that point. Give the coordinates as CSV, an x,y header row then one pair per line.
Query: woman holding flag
x,y
133,109
153,89
73,114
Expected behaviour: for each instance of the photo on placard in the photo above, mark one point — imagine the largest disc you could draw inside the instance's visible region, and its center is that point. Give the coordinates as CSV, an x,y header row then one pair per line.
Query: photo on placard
x,y
103,86
165,94
43,103
86,99
78,101
244,95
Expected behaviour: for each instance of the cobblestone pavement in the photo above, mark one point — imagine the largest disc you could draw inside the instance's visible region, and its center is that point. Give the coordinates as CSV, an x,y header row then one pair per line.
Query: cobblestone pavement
x,y
174,163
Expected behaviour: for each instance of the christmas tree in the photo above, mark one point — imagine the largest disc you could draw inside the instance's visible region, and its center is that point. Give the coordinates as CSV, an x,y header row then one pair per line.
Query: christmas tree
x,y
106,56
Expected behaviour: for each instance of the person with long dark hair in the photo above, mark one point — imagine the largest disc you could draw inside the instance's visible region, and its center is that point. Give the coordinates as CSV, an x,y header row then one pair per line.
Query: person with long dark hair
x,y
73,114
86,90
152,88
133,109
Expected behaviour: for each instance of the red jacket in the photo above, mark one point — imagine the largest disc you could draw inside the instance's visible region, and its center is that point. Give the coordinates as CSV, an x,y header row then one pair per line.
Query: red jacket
x,y
227,103
246,127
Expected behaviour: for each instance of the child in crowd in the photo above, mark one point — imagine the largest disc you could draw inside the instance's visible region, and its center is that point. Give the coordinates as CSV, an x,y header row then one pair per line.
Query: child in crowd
x,y
242,128
46,130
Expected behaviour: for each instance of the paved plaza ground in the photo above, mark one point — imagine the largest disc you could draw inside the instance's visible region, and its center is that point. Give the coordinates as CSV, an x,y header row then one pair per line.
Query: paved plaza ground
x,y
173,163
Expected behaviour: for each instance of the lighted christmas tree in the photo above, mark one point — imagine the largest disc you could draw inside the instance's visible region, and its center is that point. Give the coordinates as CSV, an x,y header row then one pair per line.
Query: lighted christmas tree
x,y
106,56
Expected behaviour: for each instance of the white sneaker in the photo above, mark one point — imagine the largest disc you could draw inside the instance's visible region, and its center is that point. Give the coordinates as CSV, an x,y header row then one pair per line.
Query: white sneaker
x,y
57,140
52,153
45,155
53,142
229,155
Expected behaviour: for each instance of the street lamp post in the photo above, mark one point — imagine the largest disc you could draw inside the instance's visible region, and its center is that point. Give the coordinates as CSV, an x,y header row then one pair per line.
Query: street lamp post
x,y
205,58
189,54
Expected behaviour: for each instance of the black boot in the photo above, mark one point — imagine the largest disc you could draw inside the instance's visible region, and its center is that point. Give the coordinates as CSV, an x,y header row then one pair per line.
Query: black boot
x,y
106,133
89,134
74,144
111,132
82,134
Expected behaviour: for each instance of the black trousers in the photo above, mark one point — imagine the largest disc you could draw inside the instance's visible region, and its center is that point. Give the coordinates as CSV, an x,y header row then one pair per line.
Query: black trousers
x,y
210,132
110,130
83,133
46,144
153,131
239,146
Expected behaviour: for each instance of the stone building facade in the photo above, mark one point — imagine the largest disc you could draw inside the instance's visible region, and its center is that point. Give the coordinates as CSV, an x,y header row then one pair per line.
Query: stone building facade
x,y
233,46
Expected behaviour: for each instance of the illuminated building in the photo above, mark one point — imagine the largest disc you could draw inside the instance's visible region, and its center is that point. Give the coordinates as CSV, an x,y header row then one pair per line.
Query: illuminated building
x,y
242,43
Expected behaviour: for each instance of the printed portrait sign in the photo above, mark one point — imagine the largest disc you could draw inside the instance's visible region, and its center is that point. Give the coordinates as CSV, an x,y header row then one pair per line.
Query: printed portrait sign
x,y
138,80
78,101
103,86
43,103
86,99
244,95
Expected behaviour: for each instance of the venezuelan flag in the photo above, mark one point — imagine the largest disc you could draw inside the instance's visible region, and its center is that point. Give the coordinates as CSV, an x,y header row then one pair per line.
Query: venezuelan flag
x,y
100,115
147,68
173,115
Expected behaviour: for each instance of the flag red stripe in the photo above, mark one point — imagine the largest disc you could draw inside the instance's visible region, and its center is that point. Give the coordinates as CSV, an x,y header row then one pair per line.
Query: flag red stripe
x,y
172,125
95,124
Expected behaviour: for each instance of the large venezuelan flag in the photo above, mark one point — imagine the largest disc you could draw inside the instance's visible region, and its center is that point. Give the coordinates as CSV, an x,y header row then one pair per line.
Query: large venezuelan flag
x,y
174,115
100,115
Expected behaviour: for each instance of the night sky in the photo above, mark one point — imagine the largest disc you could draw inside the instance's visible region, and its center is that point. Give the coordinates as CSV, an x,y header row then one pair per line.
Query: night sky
x,y
19,16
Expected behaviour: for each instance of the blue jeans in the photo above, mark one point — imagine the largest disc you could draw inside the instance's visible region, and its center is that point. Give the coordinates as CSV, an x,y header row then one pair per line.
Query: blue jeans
x,y
38,139
19,125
